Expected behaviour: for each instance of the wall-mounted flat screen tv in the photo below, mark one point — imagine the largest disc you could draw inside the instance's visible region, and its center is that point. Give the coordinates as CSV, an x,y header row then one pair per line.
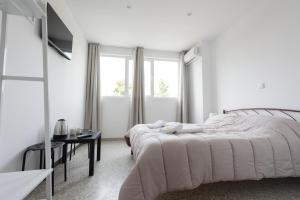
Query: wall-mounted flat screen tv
x,y
59,35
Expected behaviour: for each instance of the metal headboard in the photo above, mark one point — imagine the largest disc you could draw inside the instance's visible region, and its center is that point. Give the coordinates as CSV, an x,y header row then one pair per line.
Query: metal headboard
x,y
267,110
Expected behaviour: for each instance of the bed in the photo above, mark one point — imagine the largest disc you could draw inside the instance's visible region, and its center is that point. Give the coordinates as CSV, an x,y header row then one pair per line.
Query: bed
x,y
242,144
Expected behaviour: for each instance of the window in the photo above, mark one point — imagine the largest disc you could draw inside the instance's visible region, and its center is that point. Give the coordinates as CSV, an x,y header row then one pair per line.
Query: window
x,y
130,76
147,77
165,78
116,75
161,78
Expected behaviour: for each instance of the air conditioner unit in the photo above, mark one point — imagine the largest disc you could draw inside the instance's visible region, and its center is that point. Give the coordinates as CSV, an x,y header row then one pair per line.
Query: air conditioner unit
x,y
191,55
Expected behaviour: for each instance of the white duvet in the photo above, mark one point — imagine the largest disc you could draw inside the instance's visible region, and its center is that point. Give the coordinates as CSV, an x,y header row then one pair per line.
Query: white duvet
x,y
230,148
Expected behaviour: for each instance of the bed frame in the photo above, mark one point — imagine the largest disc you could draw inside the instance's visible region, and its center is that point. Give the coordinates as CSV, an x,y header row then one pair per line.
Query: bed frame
x,y
271,111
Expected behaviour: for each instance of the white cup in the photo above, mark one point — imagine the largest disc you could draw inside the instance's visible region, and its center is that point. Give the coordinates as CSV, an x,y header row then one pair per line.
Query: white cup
x,y
73,131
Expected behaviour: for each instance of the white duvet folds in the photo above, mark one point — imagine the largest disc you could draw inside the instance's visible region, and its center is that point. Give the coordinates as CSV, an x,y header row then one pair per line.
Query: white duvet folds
x,y
230,148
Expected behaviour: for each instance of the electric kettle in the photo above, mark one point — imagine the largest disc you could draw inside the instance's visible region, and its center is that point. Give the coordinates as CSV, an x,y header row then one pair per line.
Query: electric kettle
x,y
61,129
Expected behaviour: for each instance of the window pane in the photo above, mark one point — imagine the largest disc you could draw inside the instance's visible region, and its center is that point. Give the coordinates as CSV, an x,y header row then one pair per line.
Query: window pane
x,y
147,77
112,76
165,78
130,76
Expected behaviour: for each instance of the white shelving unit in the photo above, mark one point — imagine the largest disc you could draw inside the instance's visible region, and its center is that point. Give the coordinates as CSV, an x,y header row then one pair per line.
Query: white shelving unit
x,y
17,185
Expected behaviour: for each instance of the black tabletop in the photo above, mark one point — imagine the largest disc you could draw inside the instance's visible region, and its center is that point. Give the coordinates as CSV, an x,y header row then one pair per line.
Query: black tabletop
x,y
75,139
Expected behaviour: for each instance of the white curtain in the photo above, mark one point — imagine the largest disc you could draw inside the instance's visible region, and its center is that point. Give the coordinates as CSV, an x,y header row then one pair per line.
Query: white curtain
x,y
137,115
93,95
182,106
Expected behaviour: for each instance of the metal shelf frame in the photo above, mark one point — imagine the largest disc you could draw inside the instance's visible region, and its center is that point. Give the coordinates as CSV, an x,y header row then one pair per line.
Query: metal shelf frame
x,y
35,9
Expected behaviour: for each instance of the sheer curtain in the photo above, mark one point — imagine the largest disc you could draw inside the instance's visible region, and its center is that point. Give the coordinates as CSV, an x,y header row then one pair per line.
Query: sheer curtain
x,y
137,114
182,106
93,95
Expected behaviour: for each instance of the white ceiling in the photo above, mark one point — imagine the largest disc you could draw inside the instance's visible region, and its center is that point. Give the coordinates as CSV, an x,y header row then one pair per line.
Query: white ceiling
x,y
157,24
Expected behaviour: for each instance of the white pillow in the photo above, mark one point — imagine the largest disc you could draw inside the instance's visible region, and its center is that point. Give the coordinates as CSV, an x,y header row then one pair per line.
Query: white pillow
x,y
157,124
174,127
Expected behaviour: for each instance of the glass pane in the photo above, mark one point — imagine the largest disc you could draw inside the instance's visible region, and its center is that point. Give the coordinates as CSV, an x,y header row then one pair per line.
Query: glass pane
x,y
147,77
165,78
112,76
130,76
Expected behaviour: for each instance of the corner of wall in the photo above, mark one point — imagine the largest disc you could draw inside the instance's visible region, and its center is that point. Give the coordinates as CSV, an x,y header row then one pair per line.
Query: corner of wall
x,y
209,101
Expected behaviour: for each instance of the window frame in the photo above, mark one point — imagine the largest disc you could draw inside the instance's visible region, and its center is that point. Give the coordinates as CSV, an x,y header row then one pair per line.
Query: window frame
x,y
127,58
151,60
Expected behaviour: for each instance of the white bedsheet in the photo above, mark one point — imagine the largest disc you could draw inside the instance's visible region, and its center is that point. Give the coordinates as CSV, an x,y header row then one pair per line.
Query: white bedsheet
x,y
230,148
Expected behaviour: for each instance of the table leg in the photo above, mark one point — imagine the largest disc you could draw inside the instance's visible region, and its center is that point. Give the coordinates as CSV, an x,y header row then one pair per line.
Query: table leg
x,y
44,159
24,160
71,150
74,148
41,158
65,150
99,149
52,158
92,158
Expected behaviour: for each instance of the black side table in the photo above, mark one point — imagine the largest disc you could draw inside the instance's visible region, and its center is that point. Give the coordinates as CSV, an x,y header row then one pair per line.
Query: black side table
x,y
71,139
41,147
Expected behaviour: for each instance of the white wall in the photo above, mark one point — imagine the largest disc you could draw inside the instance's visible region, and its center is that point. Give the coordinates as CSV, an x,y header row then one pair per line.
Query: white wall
x,y
148,53
114,116
207,77
115,113
160,108
195,99
200,72
263,47
22,115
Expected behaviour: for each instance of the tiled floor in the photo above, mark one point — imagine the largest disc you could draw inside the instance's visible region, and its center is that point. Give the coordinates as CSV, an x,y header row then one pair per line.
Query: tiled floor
x,y
110,172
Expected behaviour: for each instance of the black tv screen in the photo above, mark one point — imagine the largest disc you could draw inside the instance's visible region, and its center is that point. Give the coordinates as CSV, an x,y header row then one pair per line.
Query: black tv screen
x,y
59,35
